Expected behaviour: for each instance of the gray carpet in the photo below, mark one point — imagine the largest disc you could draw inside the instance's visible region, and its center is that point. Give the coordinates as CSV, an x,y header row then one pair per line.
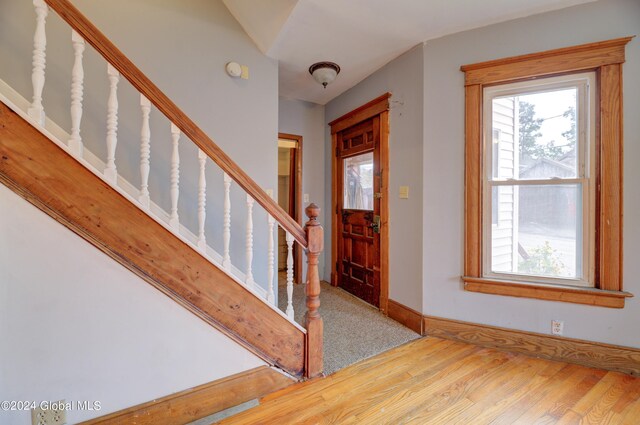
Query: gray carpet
x,y
353,329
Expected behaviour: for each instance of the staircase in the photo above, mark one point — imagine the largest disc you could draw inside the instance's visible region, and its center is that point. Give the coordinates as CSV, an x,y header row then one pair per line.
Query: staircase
x,y
52,169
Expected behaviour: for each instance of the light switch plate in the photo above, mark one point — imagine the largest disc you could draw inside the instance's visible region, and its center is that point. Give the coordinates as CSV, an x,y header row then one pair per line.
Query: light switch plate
x,y
269,192
404,192
245,72
305,197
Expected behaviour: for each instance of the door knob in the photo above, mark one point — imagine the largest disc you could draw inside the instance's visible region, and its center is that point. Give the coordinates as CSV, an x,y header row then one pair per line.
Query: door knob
x,y
375,224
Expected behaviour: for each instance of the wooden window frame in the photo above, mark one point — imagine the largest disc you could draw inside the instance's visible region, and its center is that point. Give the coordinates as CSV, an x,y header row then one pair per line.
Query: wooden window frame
x,y
605,59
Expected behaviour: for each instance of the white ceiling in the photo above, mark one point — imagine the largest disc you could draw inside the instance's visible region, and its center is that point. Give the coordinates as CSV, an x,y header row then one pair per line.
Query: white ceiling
x,y
361,35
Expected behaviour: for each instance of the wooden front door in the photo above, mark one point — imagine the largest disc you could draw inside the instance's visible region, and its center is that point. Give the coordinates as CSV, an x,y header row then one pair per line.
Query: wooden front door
x,y
358,187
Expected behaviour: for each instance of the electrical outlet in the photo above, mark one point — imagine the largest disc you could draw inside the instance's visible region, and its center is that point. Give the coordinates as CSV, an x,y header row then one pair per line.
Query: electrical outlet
x,y
557,327
55,415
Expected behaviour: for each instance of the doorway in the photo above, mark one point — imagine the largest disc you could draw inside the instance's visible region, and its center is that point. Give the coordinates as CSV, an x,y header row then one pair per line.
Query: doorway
x,y
360,199
290,196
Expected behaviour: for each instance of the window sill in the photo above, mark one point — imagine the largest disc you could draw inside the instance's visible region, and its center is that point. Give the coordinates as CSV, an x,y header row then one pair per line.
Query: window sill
x,y
588,296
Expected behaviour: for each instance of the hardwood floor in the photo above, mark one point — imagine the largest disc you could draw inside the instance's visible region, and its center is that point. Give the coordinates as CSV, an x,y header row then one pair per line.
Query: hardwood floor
x,y
437,381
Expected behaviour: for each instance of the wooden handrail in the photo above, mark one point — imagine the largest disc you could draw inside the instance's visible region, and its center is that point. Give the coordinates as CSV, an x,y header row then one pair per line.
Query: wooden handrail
x,y
69,13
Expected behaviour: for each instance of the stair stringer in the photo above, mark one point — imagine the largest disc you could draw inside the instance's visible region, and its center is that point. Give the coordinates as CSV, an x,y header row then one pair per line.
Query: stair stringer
x,y
48,177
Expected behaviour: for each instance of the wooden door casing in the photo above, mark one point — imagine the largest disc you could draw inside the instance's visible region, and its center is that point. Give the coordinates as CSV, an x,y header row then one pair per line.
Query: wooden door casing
x,y
295,201
359,245
376,107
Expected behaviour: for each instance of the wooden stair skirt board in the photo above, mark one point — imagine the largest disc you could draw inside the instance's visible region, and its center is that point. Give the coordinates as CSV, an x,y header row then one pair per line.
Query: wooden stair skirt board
x,y
201,401
587,353
46,176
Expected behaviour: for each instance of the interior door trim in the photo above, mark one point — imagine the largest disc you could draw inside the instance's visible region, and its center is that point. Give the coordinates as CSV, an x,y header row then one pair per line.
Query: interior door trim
x,y
298,207
378,106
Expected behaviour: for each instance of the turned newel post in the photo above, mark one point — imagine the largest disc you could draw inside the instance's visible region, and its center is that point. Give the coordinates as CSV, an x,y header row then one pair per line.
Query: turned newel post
x,y
312,319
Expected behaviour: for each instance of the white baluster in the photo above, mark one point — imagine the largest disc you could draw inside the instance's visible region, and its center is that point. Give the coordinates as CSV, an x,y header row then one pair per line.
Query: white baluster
x,y
270,261
249,280
226,233
289,275
77,91
174,221
145,152
110,171
36,110
202,200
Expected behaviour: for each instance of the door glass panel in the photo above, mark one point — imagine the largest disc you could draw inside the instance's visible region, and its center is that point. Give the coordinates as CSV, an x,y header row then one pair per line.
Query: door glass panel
x,y
358,182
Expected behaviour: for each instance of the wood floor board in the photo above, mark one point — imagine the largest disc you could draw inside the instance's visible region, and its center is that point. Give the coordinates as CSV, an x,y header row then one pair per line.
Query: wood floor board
x,y
632,394
403,399
632,414
569,418
384,388
368,369
511,376
592,397
407,369
602,411
367,379
489,408
488,398
482,393
445,416
451,399
534,396
425,382
379,394
550,395
569,396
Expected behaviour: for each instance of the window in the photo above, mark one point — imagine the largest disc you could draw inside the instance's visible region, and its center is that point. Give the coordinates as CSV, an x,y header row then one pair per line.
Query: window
x,y
358,182
543,182
539,187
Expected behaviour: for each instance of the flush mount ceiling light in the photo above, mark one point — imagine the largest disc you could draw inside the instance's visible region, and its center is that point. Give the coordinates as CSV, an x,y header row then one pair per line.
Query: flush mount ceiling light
x,y
324,72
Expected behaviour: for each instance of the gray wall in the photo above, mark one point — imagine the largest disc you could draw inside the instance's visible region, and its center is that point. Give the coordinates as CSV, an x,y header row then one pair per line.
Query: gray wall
x,y
307,120
183,47
444,170
76,325
403,78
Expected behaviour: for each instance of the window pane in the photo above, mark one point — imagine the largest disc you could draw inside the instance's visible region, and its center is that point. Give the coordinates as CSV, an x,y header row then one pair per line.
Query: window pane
x,y
358,182
535,135
539,231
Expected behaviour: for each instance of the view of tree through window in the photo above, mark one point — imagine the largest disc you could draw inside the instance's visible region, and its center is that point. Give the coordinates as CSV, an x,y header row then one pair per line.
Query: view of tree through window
x,y
530,125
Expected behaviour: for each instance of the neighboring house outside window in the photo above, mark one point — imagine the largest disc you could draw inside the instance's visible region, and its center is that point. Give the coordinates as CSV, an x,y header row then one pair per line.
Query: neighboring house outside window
x,y
543,182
